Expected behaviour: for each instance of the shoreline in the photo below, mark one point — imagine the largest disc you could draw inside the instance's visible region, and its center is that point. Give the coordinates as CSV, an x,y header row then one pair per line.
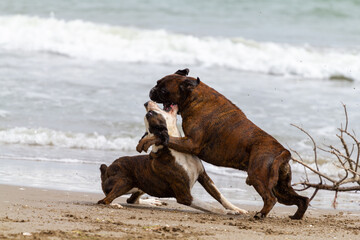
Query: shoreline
x,y
35,213
257,203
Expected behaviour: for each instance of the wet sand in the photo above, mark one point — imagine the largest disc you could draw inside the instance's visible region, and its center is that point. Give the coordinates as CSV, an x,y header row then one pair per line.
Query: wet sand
x,y
32,213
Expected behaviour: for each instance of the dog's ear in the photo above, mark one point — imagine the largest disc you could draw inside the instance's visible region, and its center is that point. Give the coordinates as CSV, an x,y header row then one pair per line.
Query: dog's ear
x,y
189,84
103,168
183,72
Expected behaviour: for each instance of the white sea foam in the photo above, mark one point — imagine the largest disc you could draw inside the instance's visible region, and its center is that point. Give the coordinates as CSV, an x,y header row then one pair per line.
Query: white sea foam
x,y
44,159
215,170
329,168
4,114
49,137
88,40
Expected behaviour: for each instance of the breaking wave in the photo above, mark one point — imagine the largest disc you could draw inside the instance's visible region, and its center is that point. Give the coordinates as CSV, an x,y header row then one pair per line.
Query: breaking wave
x,y
81,39
49,137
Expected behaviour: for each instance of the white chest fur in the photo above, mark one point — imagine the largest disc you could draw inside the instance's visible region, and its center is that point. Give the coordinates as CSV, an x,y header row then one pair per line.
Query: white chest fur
x,y
190,163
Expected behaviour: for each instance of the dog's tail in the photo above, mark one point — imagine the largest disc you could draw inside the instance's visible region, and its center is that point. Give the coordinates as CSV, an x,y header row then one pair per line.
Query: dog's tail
x,y
283,190
279,162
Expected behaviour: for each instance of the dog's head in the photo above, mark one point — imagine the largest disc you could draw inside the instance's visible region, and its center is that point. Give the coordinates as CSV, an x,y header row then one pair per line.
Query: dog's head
x,y
161,123
173,89
107,182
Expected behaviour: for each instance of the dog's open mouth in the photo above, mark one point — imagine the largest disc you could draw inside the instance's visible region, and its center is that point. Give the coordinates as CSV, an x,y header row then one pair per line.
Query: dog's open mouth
x,y
168,106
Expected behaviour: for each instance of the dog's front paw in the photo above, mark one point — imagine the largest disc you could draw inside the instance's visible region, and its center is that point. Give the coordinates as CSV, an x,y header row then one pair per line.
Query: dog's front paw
x,y
140,147
231,212
240,211
152,202
259,216
104,201
145,143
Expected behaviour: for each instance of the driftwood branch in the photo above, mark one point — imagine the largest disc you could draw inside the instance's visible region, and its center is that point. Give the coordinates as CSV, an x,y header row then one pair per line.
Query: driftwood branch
x,y
347,162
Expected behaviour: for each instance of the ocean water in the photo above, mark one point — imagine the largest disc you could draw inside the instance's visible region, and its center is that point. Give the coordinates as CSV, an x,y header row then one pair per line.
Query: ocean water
x,y
74,76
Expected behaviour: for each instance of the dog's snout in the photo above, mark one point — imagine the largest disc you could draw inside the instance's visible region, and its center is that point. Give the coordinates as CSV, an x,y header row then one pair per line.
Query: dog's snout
x,y
152,93
146,104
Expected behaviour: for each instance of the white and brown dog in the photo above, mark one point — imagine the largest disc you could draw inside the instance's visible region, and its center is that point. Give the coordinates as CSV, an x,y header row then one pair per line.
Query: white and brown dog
x,y
164,172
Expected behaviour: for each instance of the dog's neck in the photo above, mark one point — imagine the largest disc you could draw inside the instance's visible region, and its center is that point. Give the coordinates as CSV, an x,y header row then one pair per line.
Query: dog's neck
x,y
190,99
172,126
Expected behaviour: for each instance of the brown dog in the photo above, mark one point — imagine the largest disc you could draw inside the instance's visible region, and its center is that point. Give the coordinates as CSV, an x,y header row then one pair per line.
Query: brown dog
x,y
162,173
219,133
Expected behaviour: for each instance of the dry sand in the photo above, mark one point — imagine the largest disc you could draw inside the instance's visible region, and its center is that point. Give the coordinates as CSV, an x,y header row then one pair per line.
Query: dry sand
x,y
31,213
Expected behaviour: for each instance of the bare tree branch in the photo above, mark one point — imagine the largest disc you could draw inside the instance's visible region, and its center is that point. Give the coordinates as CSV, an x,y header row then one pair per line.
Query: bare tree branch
x,y
315,159
348,164
331,187
313,170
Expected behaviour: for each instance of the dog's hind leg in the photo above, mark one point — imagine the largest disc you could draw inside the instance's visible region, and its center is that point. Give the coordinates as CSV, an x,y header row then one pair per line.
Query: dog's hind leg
x,y
206,207
183,196
267,196
120,188
286,194
264,178
210,187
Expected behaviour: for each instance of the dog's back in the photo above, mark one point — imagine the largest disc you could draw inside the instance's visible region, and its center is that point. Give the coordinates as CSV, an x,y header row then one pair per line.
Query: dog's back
x,y
237,136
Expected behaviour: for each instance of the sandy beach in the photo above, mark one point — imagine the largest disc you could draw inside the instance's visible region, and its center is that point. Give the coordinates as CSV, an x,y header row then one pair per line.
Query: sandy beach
x,y
74,77
34,213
